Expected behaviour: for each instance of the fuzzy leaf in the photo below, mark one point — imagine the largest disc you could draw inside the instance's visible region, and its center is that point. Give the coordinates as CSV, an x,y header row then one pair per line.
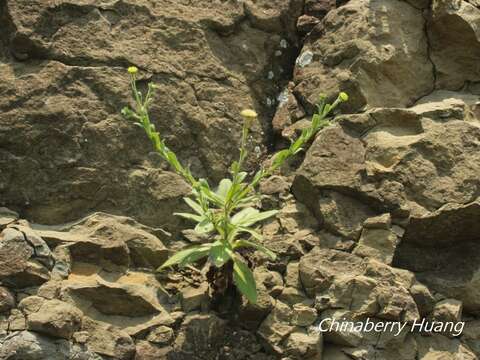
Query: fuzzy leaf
x,y
250,216
196,218
219,254
186,256
244,280
205,226
223,188
194,205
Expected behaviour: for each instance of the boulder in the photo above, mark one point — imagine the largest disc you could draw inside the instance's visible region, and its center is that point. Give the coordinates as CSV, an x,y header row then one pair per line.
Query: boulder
x,y
131,294
55,318
453,271
18,263
368,49
108,340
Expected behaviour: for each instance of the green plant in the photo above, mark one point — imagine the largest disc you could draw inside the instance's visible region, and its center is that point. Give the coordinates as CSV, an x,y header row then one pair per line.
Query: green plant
x,y
227,213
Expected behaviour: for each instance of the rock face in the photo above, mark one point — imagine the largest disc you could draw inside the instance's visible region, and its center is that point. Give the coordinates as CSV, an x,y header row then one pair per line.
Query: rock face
x,y
379,220
64,89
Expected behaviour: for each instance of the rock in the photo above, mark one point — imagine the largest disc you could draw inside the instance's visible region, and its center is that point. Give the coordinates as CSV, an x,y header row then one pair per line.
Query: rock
x,y
55,318
130,294
161,335
292,296
16,321
235,45
448,310
31,304
295,216
148,351
357,51
110,240
7,300
441,105
18,265
344,281
453,271
446,18
292,277
40,248
200,336
251,315
393,161
423,298
441,347
7,217
471,335
304,345
303,315
194,298
276,327
108,340
383,221
377,244
27,345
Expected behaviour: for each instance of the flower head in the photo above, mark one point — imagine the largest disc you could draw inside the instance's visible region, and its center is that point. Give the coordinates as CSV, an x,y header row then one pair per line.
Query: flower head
x,y
249,114
343,96
132,70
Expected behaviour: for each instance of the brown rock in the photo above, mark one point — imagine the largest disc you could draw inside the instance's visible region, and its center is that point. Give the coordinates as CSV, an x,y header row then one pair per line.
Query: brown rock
x,y
7,300
55,318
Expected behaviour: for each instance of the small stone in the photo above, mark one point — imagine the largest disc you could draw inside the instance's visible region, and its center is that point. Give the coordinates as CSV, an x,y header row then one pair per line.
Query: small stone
x,y
31,304
448,310
378,222
16,321
193,298
162,335
379,244
148,351
304,345
303,315
423,298
7,300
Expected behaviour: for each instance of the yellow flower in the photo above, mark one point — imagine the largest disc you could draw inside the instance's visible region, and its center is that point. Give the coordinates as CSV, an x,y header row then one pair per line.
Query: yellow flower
x,y
343,96
249,114
132,70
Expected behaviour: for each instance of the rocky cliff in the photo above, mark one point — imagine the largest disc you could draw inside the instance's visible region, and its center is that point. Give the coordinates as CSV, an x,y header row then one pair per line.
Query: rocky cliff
x,y
379,219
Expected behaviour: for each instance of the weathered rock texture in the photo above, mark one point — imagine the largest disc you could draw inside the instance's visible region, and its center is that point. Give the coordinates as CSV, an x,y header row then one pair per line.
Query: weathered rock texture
x,y
380,219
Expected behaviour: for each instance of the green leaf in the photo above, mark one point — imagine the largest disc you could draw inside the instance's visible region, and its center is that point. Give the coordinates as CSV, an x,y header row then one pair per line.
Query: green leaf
x,y
187,256
250,216
252,232
223,188
205,226
244,280
281,156
194,205
219,254
259,247
196,218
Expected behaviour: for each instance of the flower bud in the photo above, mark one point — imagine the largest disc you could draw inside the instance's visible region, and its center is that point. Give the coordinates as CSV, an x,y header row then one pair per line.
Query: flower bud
x,y
343,96
249,114
132,70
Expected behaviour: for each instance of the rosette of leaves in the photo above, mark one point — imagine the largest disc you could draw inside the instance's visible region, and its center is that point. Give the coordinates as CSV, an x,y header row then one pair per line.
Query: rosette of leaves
x,y
226,213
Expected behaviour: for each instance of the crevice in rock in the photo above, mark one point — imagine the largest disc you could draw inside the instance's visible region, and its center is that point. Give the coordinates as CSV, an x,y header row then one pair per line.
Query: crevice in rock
x,y
426,13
